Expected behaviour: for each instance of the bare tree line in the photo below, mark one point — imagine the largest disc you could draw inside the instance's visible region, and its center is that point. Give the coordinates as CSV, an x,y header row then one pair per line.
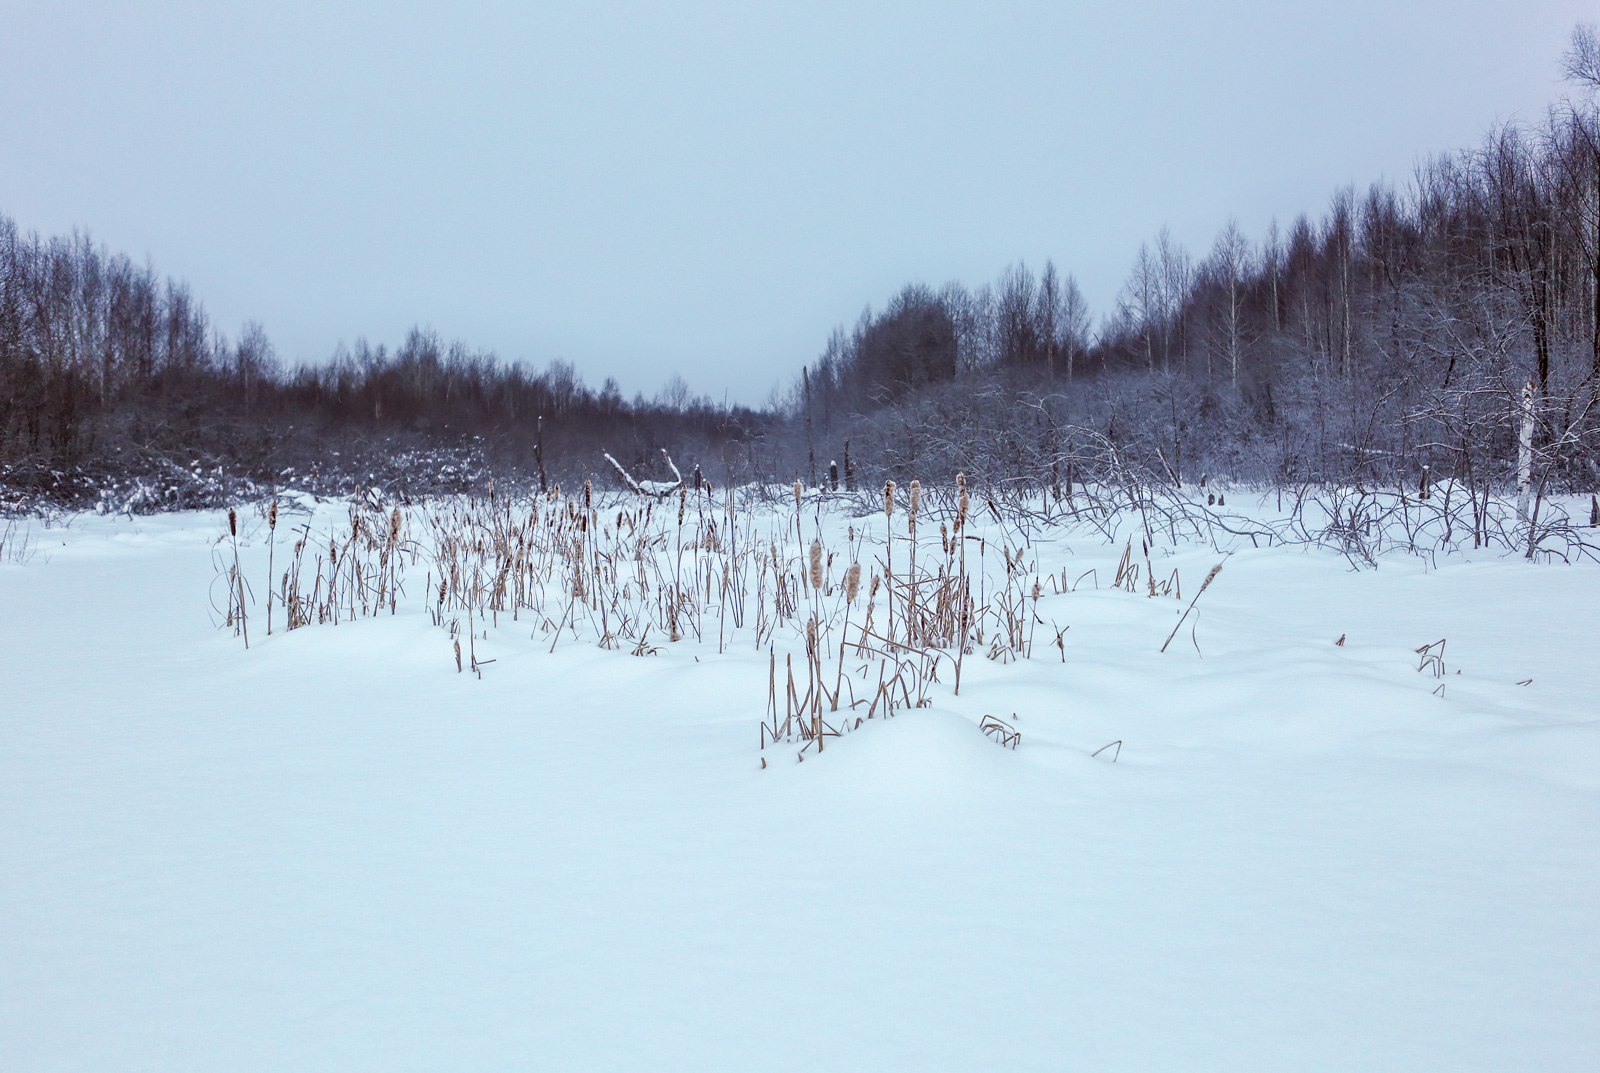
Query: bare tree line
x,y
111,376
1447,329
1450,328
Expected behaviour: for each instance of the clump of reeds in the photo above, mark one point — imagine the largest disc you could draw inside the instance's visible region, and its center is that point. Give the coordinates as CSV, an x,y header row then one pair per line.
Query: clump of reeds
x,y
15,543
618,575
1000,731
1432,658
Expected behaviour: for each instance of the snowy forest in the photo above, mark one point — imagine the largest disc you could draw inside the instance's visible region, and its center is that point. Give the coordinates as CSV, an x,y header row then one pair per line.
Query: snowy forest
x,y
1189,668
1449,325
1442,326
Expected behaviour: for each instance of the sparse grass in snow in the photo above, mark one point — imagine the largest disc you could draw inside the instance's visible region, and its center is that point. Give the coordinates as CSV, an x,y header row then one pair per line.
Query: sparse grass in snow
x,y
1264,850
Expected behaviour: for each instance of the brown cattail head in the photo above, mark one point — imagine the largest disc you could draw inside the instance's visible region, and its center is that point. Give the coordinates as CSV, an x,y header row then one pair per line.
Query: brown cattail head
x,y
816,564
272,515
852,582
888,499
873,590
394,526
1037,590
811,634
916,499
799,492
233,522
588,495
1215,570
963,506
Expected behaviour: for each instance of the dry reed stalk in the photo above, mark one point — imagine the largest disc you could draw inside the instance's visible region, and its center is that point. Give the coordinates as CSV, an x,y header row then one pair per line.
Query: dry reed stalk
x,y
1126,570
772,698
790,697
1000,731
1432,658
963,610
814,686
237,581
852,585
272,535
912,634
872,593
888,550
1215,570
799,493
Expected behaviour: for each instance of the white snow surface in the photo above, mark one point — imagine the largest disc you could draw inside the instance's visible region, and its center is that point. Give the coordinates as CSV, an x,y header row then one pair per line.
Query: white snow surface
x,y
334,852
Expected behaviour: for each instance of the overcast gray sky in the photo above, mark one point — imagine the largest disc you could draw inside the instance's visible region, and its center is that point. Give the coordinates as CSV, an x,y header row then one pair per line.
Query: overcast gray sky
x,y
708,188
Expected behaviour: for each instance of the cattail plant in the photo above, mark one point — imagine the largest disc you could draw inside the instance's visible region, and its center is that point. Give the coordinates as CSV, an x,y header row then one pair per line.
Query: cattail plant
x,y
272,534
391,558
852,586
236,581
1215,570
913,636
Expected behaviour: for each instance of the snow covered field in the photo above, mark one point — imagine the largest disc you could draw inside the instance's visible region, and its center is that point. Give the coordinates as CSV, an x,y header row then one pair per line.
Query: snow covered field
x,y
333,851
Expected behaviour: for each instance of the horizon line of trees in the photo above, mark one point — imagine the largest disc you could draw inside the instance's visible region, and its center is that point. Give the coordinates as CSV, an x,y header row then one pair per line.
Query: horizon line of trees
x,y
108,369
1450,327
